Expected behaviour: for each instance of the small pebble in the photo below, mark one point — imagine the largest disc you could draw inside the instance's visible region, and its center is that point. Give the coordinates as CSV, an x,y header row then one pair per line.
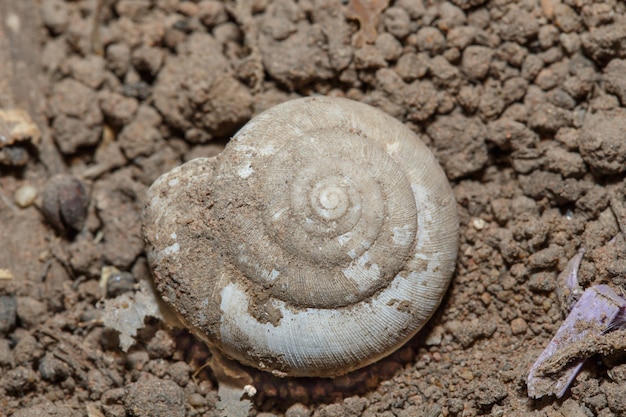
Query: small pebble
x,y
153,397
6,355
116,282
435,336
518,326
162,345
8,308
485,297
19,380
120,283
479,224
542,281
249,390
467,375
546,258
52,369
298,410
64,203
137,360
180,373
30,311
27,349
25,195
55,15
196,400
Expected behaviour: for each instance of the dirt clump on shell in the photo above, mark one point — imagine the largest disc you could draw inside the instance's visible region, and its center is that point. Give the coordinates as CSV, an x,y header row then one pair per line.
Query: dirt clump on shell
x,y
522,103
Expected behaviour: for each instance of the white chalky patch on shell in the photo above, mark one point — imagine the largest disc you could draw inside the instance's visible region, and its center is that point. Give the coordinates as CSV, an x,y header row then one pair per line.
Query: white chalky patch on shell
x,y
173,182
425,210
249,150
345,238
271,275
245,166
246,171
267,150
393,147
279,213
171,249
361,273
173,235
402,235
205,307
418,189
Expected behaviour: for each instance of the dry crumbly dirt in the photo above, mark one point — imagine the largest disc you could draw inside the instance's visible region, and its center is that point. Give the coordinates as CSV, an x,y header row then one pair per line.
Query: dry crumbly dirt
x,y
521,101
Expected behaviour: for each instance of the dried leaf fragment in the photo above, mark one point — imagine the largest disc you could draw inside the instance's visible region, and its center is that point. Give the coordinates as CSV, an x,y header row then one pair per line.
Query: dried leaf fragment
x,y
367,12
126,313
592,316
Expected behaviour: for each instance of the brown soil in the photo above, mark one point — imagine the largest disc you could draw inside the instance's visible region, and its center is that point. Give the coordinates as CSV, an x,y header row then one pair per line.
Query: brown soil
x,y
521,101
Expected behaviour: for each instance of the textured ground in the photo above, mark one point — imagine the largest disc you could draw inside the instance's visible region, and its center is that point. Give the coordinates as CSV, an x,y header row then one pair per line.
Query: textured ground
x,y
521,101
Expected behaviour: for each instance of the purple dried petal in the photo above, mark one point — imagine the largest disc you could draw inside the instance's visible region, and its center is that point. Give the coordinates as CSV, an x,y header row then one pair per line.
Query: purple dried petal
x,y
568,289
592,315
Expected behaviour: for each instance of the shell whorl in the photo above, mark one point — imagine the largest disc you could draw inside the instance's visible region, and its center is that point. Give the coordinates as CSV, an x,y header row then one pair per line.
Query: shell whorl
x,y
319,241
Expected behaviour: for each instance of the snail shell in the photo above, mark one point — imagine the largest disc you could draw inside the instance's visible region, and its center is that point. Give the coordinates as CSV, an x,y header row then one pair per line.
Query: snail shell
x,y
320,240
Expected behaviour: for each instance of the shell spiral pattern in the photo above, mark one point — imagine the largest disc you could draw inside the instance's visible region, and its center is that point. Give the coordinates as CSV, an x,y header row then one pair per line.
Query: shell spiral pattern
x,y
319,241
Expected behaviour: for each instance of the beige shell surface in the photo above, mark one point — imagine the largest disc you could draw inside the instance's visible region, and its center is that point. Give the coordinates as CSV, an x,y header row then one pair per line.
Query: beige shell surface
x,y
320,240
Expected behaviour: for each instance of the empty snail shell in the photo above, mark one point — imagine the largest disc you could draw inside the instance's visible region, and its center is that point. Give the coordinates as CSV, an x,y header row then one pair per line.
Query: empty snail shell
x,y
320,240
